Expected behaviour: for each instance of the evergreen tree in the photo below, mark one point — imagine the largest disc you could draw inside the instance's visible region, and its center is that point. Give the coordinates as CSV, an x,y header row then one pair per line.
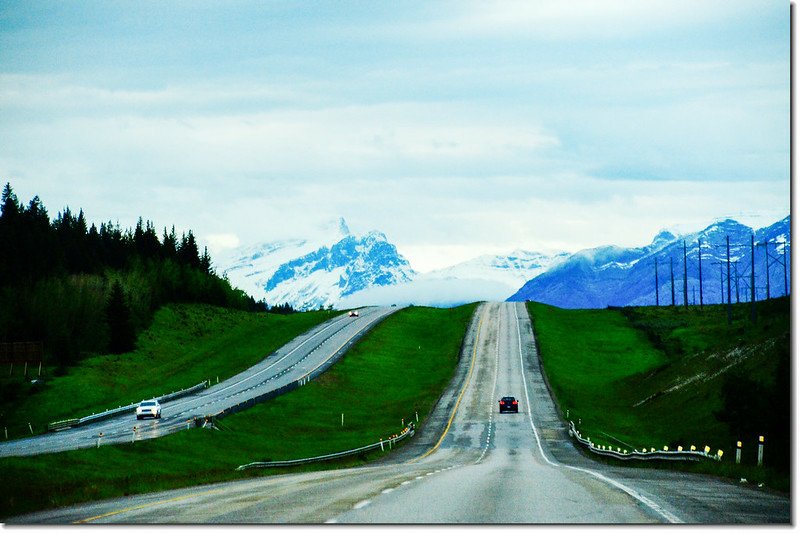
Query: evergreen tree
x,y
118,315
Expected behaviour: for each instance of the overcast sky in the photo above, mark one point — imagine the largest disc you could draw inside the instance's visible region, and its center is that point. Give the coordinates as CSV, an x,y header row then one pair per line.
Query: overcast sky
x,y
456,128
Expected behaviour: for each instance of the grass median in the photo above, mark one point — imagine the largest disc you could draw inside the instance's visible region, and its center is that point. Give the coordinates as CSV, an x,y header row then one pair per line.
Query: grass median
x,y
652,377
399,368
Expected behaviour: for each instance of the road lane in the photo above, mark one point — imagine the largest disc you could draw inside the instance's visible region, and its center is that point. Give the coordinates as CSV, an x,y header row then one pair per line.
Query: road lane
x,y
286,365
488,468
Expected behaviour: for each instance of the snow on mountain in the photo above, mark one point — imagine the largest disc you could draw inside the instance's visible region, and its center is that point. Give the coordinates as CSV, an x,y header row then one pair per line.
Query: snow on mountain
x,y
504,273
611,275
309,273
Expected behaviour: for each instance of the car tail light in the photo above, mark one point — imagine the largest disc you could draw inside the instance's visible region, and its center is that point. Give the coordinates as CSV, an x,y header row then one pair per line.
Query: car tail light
x,y
502,402
514,402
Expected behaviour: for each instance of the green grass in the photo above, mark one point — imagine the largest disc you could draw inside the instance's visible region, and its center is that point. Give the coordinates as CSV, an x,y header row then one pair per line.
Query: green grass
x,y
400,367
185,344
650,377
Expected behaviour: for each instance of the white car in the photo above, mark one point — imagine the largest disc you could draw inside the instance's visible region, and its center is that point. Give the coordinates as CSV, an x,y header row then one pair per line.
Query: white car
x,y
353,313
148,408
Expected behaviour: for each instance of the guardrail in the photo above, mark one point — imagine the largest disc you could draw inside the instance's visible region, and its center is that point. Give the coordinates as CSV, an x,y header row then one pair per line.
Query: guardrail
x,y
408,431
72,422
680,454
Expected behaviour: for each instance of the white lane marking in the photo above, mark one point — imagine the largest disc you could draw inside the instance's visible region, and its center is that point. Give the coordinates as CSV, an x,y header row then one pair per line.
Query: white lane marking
x,y
669,517
387,491
332,521
362,503
419,477
406,482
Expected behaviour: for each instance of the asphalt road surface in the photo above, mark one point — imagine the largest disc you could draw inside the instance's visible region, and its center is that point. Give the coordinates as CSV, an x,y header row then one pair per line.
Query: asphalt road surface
x,y
286,365
468,464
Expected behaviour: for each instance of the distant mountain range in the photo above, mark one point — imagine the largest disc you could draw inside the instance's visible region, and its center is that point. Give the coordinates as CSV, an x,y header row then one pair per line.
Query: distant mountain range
x,y
342,269
610,275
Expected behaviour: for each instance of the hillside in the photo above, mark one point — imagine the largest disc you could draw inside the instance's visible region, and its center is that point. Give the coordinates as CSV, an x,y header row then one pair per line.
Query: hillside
x,y
184,345
650,377
77,289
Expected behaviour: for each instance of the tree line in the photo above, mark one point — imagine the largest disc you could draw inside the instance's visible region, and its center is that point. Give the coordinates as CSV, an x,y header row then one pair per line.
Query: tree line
x,y
83,289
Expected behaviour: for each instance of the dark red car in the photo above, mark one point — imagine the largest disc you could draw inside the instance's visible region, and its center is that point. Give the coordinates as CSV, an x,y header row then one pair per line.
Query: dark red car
x,y
509,404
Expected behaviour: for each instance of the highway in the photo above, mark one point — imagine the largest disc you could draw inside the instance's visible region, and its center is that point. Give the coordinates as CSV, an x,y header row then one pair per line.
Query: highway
x,y
312,350
467,464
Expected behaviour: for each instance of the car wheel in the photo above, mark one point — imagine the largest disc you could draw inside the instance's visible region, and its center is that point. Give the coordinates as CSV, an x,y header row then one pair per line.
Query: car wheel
x,y
138,417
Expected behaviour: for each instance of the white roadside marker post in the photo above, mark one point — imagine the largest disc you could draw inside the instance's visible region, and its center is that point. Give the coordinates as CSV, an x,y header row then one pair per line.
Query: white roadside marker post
x,y
100,436
738,452
342,419
5,429
382,445
30,427
761,450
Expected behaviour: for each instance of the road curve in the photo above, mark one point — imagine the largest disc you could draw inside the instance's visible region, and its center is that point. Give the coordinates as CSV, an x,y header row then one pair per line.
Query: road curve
x,y
286,365
485,468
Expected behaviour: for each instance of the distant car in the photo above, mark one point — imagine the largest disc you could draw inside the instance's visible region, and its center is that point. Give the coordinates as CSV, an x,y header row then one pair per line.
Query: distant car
x,y
509,404
352,313
148,408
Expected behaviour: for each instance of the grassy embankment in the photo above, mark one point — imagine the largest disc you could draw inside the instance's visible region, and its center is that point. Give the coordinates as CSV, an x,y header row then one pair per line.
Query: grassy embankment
x,y
654,377
398,368
185,345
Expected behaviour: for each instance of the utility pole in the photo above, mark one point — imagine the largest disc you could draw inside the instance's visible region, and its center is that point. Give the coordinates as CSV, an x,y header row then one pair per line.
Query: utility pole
x,y
766,262
694,294
685,285
700,268
785,284
736,279
672,280
655,262
728,257
752,279
721,285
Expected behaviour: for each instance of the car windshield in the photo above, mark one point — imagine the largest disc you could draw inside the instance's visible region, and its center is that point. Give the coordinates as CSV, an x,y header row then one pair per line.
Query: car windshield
x,y
148,404
509,399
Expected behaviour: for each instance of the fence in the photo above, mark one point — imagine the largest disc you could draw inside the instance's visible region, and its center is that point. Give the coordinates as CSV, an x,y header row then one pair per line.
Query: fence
x,y
643,454
408,431
72,422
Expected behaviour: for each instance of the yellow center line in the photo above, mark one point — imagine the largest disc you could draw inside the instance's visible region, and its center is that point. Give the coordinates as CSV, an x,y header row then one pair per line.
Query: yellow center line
x,y
143,506
463,390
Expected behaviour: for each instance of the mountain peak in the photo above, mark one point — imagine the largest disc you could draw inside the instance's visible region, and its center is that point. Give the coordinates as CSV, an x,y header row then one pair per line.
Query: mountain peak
x,y
334,229
664,236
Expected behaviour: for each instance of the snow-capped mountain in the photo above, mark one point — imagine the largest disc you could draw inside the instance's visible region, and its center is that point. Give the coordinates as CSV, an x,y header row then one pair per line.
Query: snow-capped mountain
x,y
611,275
507,272
309,273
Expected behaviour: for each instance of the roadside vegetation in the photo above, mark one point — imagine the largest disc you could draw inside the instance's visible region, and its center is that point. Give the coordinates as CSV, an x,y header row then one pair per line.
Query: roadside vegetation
x,y
398,369
652,377
185,345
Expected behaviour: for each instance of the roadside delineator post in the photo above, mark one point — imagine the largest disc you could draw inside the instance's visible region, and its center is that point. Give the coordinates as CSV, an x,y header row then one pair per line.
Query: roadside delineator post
x,y
707,449
760,450
416,415
133,435
342,419
738,452
30,427
5,429
382,445
100,436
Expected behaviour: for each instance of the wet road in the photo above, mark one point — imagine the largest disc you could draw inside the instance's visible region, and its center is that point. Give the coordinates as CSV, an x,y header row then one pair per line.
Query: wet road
x,y
468,464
